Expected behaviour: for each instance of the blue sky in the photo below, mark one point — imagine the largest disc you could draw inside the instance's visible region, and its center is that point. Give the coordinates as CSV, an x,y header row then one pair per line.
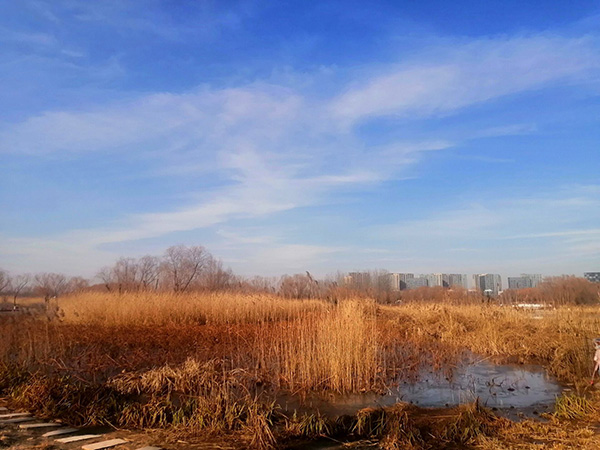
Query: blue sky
x,y
291,136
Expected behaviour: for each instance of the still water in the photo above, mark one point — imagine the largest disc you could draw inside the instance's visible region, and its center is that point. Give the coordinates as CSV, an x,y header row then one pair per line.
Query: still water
x,y
511,390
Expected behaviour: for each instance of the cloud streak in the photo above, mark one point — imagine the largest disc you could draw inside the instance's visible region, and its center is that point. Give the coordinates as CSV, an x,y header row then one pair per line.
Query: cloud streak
x,y
470,74
268,148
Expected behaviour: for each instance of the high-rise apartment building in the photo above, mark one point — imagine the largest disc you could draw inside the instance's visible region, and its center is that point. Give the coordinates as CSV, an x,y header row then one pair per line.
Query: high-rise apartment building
x,y
358,279
416,282
518,283
526,280
535,278
446,279
488,283
398,280
394,281
456,279
434,279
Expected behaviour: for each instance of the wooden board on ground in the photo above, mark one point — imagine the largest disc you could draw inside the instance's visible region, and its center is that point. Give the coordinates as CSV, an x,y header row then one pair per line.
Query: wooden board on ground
x,y
60,432
105,444
81,437
13,415
150,448
3,408
26,426
17,420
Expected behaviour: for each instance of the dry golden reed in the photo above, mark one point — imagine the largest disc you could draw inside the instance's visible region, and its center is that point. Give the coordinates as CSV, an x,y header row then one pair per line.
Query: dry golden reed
x,y
350,345
560,339
160,308
334,348
210,347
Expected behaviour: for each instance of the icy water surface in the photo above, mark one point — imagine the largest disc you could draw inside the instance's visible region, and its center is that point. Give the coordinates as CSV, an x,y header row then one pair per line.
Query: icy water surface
x,y
512,390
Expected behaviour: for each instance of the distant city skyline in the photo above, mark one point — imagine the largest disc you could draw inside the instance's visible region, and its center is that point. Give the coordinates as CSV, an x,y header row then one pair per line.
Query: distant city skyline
x,y
301,136
495,283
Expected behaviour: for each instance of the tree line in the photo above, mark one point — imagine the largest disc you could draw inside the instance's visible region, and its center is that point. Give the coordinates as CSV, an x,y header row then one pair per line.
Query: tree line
x,y
179,269
182,269
46,284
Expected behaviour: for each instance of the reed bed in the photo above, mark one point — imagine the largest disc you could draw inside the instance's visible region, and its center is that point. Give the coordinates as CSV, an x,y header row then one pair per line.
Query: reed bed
x,y
160,308
560,339
216,361
333,349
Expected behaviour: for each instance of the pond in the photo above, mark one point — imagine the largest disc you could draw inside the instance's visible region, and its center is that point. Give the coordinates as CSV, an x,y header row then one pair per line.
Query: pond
x,y
511,390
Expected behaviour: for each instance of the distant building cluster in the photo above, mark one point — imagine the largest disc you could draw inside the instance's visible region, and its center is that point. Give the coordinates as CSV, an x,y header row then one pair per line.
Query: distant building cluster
x,y
402,281
594,277
487,283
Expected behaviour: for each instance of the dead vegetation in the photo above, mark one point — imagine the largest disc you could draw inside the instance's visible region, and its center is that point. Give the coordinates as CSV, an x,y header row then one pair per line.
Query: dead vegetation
x,y
208,364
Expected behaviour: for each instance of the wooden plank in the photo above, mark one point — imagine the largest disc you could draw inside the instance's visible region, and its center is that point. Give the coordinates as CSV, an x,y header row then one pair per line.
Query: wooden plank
x,y
13,415
81,437
150,448
105,444
60,432
17,420
27,426
3,408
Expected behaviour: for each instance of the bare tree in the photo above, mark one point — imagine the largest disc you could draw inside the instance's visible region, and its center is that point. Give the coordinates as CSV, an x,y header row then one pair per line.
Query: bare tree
x,y
183,265
215,277
259,284
148,272
18,284
50,285
123,276
299,286
568,290
125,273
106,275
77,284
4,282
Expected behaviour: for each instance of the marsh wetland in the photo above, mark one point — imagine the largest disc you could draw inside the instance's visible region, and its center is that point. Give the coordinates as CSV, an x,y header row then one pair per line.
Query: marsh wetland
x,y
261,371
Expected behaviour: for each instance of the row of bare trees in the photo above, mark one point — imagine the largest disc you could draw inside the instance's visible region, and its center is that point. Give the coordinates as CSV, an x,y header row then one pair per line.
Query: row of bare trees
x,y
179,269
47,285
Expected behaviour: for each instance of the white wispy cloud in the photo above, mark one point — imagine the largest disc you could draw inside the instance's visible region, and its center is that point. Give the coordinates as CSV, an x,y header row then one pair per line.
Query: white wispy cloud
x,y
262,140
469,73
275,148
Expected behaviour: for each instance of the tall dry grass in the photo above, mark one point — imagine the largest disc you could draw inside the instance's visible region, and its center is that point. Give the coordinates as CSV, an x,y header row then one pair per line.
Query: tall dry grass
x,y
219,353
312,344
299,344
334,348
158,309
560,339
